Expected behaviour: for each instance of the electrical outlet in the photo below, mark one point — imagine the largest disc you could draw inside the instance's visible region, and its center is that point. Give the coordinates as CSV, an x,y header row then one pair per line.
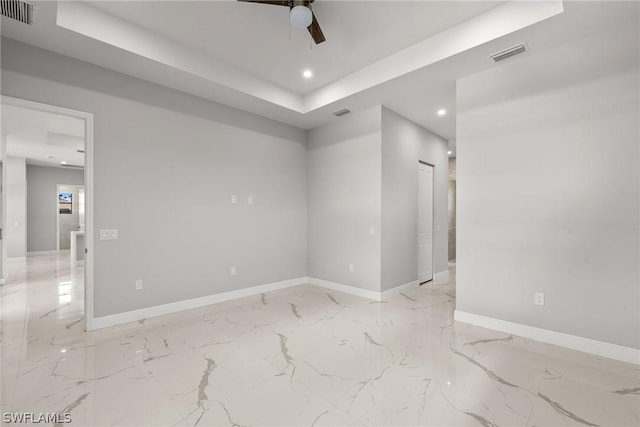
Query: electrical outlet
x,y
351,268
234,199
234,271
539,298
138,285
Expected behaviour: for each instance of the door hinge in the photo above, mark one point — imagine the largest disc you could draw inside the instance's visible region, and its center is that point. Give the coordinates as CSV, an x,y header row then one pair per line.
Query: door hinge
x,y
85,251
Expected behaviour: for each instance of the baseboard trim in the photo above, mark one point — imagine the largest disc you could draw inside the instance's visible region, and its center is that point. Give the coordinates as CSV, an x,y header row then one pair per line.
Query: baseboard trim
x,y
365,293
587,345
399,289
441,278
159,310
17,259
38,253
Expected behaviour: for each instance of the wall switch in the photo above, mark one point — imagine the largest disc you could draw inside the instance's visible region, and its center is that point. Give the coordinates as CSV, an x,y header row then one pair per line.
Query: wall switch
x,y
372,231
234,271
539,298
108,234
234,199
138,285
437,227
351,268
250,200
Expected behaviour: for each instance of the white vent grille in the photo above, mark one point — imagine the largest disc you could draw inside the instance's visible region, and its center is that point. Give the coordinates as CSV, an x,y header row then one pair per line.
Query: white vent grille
x,y
341,112
507,53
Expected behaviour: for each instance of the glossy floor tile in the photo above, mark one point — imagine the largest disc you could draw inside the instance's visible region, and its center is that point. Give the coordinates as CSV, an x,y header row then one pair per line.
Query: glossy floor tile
x,y
303,356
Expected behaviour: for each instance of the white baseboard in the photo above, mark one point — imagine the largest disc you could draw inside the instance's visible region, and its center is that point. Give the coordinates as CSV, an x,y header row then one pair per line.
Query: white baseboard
x,y
144,313
38,253
365,293
587,345
441,278
399,289
17,259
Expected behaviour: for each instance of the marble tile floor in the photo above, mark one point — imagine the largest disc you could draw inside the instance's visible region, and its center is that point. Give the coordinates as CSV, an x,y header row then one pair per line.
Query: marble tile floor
x,y
303,356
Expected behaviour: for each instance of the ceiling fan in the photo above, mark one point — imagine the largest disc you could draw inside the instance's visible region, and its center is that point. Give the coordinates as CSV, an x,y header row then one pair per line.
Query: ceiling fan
x,y
300,15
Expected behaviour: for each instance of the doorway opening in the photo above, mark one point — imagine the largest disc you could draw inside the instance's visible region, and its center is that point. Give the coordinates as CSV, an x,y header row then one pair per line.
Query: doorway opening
x,y
46,199
425,222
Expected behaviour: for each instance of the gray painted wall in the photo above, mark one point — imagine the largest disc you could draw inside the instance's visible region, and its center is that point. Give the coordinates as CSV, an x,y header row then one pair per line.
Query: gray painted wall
x,y
16,231
404,143
548,189
166,165
344,194
41,204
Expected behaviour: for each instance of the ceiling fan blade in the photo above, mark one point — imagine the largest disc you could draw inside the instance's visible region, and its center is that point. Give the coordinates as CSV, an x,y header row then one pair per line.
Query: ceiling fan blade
x,y
316,31
271,2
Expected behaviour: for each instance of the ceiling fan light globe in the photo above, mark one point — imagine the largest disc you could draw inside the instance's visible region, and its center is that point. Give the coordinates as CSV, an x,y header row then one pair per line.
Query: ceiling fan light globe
x,y
300,17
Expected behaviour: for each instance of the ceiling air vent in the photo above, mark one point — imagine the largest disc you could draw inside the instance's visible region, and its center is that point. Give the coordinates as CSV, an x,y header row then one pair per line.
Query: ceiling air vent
x,y
341,112
507,53
18,10
73,166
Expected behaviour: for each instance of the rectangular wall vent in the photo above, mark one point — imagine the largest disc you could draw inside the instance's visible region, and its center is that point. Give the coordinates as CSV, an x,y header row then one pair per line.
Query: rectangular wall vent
x,y
507,53
341,112
18,10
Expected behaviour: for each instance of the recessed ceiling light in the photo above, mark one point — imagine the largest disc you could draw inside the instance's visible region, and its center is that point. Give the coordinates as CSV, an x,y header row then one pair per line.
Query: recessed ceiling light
x,y
307,74
442,112
63,162
449,152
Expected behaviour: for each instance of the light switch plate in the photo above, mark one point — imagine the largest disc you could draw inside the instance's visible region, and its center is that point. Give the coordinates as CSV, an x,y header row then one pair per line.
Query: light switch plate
x,y
108,234
234,200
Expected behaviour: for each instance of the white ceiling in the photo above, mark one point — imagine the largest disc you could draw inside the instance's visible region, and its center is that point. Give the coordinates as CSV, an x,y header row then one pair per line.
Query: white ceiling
x,y
43,138
256,37
404,55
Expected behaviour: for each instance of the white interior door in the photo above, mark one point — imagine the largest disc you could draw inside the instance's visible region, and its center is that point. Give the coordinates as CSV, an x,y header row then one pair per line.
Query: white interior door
x,y
425,222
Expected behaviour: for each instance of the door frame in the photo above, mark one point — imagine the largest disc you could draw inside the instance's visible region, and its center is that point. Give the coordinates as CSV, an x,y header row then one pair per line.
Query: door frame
x,y
88,190
433,219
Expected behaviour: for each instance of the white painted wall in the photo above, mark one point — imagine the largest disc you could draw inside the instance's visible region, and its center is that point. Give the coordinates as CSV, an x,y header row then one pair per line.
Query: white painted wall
x,y
16,188
404,144
42,182
3,206
549,189
166,165
344,200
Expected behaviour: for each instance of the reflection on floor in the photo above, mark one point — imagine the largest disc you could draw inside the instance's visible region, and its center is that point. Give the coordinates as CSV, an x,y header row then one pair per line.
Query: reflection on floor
x,y
301,356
